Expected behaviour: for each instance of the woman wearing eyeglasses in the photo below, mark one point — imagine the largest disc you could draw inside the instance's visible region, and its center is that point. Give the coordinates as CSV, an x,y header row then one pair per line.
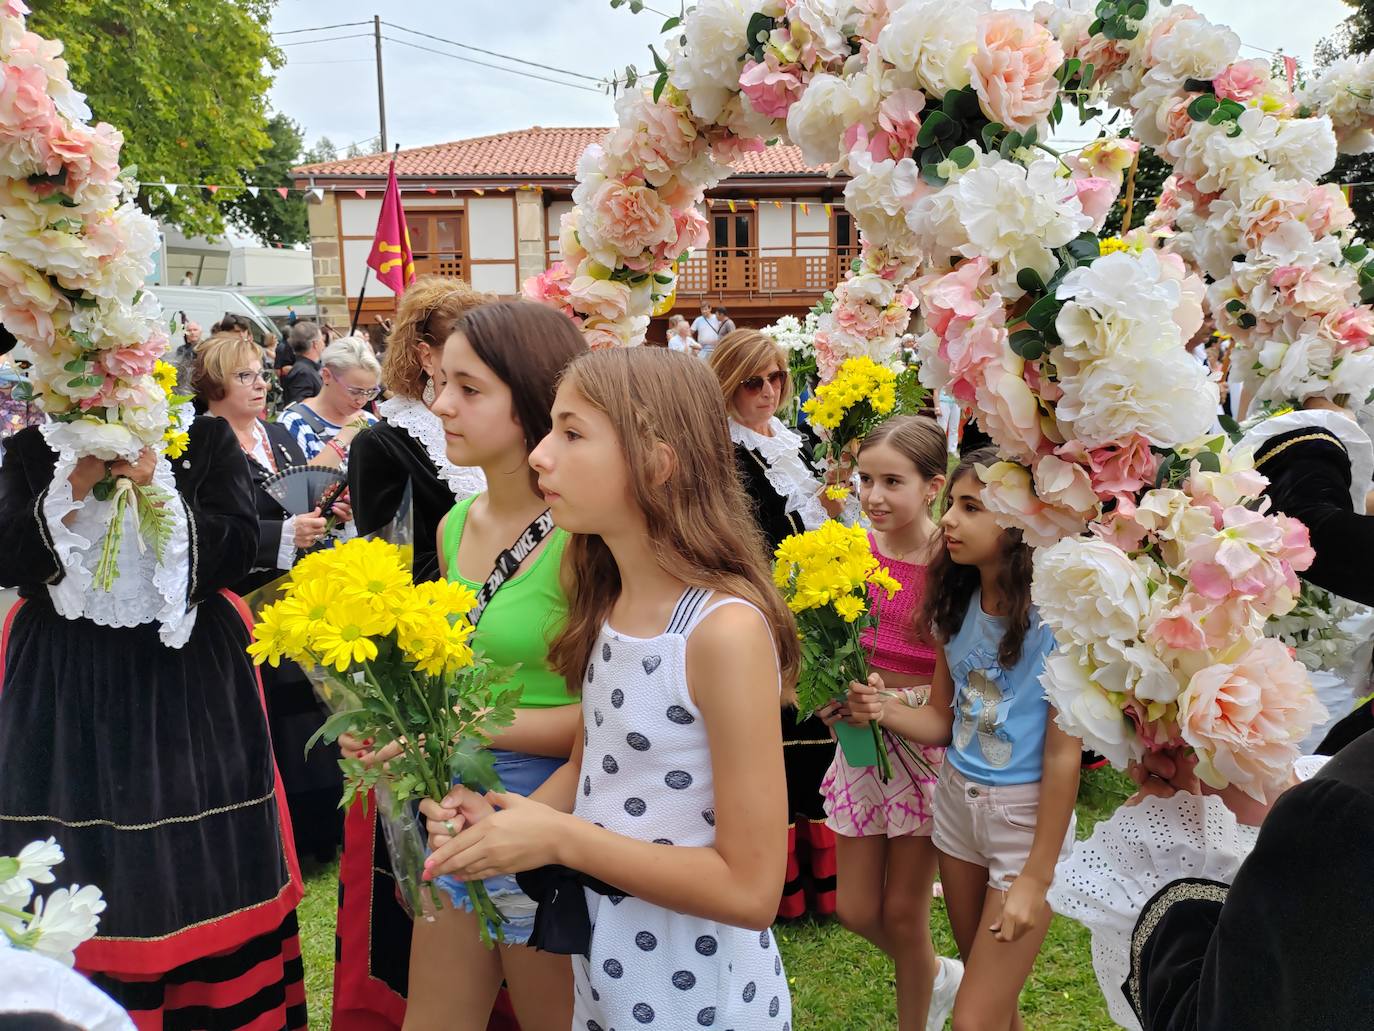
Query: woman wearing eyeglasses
x,y
788,498
228,377
324,426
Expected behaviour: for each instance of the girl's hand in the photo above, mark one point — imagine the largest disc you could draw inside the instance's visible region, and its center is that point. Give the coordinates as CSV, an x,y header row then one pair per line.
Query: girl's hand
x,y
521,835
1021,908
833,713
866,701
141,472
460,808
85,475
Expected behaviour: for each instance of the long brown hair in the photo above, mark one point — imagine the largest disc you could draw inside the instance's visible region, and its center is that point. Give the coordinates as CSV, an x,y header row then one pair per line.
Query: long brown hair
x,y
950,586
700,521
426,315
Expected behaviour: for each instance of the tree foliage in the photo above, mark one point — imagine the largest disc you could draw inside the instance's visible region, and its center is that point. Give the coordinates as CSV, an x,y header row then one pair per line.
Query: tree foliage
x,y
1355,35
185,81
268,216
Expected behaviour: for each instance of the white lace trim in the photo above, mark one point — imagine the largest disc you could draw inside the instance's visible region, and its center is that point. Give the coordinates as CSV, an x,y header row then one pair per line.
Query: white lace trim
x,y
1341,425
426,430
1112,874
145,591
787,470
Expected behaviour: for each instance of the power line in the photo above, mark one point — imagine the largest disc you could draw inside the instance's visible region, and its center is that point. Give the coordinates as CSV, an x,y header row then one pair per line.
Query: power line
x,y
327,39
319,28
493,53
497,67
349,60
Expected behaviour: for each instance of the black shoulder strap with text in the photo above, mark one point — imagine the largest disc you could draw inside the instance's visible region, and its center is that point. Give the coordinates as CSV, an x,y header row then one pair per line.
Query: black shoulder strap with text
x,y
509,561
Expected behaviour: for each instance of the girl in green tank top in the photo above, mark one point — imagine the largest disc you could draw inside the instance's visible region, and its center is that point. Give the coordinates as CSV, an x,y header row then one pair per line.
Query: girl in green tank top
x,y
523,616
500,366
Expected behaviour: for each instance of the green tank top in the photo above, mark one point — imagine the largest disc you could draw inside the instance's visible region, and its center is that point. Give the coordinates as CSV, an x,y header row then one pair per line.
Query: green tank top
x,y
522,617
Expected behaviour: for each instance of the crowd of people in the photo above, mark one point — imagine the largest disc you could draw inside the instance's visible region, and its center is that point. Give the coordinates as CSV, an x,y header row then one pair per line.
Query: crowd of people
x,y
654,757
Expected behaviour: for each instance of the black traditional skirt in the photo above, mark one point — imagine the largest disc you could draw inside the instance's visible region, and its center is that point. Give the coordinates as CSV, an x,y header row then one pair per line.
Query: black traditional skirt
x,y
153,769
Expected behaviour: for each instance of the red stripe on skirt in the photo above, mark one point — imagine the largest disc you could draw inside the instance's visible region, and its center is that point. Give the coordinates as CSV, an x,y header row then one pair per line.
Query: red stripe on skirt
x,y
125,958
5,637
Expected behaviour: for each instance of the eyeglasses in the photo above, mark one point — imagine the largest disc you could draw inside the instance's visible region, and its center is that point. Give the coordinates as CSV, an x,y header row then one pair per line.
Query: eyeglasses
x,y
755,383
363,393
247,377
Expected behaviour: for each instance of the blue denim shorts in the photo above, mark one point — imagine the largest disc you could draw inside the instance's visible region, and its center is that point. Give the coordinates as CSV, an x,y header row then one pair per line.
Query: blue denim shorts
x,y
522,774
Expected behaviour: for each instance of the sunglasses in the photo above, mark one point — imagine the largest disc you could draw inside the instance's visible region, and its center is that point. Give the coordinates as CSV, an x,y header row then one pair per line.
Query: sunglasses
x,y
755,383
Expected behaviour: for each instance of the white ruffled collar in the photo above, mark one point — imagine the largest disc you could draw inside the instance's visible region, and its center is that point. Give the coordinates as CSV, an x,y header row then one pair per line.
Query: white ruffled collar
x,y
1341,425
787,470
425,429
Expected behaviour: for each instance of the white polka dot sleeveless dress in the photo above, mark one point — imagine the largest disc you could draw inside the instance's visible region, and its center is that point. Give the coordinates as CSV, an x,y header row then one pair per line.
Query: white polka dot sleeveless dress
x,y
646,773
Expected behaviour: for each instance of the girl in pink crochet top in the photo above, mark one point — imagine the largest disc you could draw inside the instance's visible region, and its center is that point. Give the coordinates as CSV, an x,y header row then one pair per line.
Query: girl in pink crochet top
x,y
884,857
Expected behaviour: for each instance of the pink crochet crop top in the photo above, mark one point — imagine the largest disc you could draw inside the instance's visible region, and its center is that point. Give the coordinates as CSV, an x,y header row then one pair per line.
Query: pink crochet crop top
x,y
897,647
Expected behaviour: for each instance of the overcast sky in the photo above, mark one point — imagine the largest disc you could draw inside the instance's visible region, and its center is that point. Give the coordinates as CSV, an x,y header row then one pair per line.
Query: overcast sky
x,y
330,87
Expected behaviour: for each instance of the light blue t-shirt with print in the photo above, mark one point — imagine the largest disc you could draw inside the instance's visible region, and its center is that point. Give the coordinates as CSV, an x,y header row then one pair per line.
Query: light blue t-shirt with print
x,y
999,714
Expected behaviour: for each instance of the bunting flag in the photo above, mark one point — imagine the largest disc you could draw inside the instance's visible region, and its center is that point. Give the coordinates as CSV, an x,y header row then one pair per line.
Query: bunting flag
x,y
754,204
806,208
171,189
1290,66
391,257
777,204
253,191
479,191
827,209
1349,192
282,191
363,193
212,188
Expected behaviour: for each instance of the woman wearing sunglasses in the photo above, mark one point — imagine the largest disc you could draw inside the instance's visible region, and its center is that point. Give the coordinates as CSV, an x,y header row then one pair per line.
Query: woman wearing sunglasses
x,y
788,498
326,424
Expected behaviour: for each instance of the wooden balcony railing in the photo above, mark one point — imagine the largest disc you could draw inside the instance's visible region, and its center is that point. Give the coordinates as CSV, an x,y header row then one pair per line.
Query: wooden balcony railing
x,y
763,273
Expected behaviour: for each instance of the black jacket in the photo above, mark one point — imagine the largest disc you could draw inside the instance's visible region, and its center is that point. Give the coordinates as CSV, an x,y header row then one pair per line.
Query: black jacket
x,y
302,382
271,516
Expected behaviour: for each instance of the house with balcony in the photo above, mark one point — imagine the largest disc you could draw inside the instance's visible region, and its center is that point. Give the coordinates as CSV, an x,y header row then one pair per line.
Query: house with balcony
x,y
487,210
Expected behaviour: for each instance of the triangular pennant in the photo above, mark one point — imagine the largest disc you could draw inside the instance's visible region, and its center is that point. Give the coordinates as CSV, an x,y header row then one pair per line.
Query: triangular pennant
x,y
171,189
282,191
317,193
361,192
212,188
731,205
806,209
252,191
827,208
777,204
430,189
479,191
754,204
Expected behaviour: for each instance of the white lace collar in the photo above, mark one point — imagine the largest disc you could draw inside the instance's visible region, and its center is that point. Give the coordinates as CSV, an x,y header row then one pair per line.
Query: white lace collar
x,y
787,470
426,430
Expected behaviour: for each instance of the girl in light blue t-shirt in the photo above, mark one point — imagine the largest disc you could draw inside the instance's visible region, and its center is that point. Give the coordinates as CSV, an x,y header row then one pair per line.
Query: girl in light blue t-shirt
x,y
1004,802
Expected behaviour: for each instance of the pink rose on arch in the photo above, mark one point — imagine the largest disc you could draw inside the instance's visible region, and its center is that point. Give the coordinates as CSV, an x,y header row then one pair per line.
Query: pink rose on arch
x,y
14,8
1251,556
1065,485
25,106
1096,195
603,298
1117,470
29,324
1009,412
631,218
550,286
1245,719
772,88
970,345
1242,81
690,232
860,320
1195,623
90,154
1009,495
899,124
1353,327
1013,69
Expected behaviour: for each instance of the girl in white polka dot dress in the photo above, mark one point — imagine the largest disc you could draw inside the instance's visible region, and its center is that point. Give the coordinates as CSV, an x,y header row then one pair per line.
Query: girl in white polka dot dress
x,y
675,792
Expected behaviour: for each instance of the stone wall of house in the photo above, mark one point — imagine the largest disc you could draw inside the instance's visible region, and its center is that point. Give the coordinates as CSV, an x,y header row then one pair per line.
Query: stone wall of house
x,y
324,247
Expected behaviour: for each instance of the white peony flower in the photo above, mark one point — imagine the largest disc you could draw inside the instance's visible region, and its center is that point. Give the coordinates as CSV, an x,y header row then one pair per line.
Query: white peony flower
x,y
1132,669
1195,49
1120,301
1303,148
934,39
817,122
707,66
64,920
1088,590
1083,710
825,22
879,195
1215,160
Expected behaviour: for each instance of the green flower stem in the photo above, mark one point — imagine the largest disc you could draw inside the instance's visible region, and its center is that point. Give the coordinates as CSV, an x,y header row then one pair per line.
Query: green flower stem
x,y
1053,153
18,914
485,910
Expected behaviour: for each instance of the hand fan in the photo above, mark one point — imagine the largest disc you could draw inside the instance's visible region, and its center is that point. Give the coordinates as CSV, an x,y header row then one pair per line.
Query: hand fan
x,y
301,489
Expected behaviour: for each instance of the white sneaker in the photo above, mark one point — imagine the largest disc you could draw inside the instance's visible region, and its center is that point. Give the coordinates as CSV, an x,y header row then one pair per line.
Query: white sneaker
x,y
947,980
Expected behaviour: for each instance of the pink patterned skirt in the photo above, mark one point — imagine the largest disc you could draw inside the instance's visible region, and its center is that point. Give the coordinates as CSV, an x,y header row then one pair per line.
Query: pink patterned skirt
x,y
859,805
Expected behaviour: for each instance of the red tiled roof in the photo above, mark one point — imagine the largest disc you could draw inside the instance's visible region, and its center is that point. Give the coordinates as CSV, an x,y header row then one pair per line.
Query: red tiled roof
x,y
526,153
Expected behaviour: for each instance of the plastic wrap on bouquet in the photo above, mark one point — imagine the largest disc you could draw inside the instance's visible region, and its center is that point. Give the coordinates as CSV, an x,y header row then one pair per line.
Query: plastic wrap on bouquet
x,y
1113,873
405,845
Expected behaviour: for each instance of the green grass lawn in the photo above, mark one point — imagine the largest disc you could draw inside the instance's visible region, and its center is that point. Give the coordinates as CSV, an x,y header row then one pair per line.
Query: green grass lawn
x,y
838,980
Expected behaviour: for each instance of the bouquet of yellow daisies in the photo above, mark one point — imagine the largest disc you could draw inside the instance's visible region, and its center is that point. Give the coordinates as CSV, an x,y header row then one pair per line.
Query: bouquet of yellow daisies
x,y
825,576
862,395
400,656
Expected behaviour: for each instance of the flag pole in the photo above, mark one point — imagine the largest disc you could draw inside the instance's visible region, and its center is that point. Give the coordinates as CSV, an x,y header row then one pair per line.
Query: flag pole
x,y
367,271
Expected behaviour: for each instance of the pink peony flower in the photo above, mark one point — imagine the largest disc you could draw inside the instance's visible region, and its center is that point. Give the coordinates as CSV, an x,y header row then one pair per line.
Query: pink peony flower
x,y
1353,327
1096,195
1008,411
630,218
1013,69
13,8
603,298
1117,470
690,232
772,88
1065,485
1195,623
1253,556
899,124
970,345
25,106
550,286
1009,495
90,154
657,138
130,362
1242,81
1245,719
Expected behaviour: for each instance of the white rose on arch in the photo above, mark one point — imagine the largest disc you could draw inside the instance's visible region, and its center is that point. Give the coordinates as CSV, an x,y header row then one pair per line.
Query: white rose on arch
x,y
935,40
707,67
817,122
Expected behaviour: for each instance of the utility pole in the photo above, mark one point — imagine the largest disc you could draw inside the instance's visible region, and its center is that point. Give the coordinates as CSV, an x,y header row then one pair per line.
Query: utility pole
x,y
381,89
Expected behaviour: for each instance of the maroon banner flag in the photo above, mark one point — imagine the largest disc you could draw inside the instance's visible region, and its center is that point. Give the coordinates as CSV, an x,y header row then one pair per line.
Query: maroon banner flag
x,y
391,257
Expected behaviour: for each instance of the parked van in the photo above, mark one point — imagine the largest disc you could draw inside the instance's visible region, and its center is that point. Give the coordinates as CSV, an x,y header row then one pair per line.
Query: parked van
x,y
206,305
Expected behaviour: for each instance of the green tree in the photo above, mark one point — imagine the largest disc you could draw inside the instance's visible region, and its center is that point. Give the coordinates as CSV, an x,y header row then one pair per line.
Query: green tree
x,y
185,81
269,216
1355,35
